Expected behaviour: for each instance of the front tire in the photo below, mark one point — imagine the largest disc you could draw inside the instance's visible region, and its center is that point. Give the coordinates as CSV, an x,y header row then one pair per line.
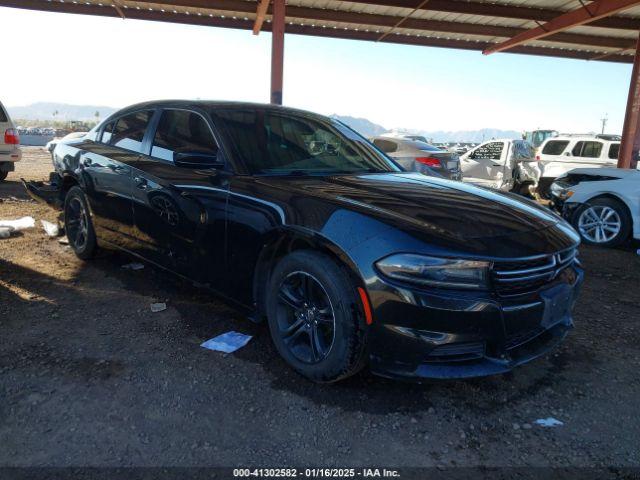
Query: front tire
x,y
604,222
314,317
78,225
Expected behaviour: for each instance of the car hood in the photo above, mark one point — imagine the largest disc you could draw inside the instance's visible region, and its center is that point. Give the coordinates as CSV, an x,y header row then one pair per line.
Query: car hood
x,y
606,172
435,206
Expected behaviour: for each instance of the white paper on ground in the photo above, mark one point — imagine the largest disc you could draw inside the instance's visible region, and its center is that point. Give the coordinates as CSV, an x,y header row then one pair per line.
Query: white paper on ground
x,y
549,422
158,307
5,232
20,224
51,229
227,342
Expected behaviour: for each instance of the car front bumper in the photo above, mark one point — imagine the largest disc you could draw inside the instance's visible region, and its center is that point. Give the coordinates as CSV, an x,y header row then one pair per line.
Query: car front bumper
x,y
420,334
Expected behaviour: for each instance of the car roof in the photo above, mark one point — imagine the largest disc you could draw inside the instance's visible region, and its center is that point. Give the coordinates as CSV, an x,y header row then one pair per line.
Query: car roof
x,y
579,137
215,104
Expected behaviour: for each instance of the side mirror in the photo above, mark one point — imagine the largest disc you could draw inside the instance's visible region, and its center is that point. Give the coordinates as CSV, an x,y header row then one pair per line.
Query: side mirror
x,y
197,160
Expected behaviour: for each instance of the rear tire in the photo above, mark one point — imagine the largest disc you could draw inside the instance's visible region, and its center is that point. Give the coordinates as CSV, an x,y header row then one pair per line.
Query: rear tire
x,y
314,317
78,225
604,222
3,176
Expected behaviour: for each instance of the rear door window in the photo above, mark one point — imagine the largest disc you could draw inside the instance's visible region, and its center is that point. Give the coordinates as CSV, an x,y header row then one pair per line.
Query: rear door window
x,y
387,146
555,147
490,151
587,149
182,131
129,131
614,151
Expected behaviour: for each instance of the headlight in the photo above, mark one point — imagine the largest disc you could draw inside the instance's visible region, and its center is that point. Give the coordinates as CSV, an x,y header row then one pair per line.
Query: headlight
x,y
436,272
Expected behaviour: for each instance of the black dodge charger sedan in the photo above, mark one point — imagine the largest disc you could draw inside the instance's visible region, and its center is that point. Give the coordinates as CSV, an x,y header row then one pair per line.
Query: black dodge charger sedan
x,y
299,220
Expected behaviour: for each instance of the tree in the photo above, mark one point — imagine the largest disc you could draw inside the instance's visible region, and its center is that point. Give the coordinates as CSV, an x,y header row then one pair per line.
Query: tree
x,y
97,115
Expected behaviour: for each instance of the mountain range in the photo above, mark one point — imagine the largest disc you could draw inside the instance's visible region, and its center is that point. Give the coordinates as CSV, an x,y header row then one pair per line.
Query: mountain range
x,y
367,128
59,111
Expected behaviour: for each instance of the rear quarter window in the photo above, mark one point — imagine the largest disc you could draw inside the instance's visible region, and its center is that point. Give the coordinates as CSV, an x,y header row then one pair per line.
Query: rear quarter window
x,y
614,151
386,146
3,115
555,147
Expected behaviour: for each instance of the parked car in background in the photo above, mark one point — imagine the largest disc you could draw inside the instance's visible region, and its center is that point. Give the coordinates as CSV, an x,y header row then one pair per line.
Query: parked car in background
x,y
506,164
558,155
417,156
602,204
10,152
70,136
300,221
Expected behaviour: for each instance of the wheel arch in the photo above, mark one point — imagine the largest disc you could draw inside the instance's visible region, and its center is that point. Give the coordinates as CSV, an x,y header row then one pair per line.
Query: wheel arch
x,y
279,243
612,196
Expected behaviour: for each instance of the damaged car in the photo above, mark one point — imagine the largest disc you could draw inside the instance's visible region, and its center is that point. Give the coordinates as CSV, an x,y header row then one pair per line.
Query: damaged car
x,y
301,222
603,204
508,165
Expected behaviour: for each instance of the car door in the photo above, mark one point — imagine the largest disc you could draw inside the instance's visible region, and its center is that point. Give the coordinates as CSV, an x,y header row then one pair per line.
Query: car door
x,y
106,173
179,197
486,165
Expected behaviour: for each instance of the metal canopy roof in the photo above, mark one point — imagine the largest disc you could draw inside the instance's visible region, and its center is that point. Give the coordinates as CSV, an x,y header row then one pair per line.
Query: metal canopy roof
x,y
470,25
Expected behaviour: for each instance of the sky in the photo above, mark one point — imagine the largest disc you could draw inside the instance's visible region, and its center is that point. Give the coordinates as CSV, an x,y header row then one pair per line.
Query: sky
x,y
113,62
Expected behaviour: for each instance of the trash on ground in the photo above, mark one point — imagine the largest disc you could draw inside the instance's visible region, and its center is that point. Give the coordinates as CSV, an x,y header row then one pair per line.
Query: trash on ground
x,y
63,241
51,229
5,232
549,422
227,342
158,307
133,266
20,224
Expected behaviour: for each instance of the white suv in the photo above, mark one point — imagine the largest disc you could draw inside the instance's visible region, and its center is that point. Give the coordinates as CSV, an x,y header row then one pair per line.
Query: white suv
x,y
9,144
560,154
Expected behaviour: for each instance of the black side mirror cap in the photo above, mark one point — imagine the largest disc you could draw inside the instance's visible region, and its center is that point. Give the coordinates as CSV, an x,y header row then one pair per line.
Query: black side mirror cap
x,y
197,160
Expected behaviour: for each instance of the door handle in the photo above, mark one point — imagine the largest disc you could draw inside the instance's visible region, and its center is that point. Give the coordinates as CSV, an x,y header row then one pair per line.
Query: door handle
x,y
141,183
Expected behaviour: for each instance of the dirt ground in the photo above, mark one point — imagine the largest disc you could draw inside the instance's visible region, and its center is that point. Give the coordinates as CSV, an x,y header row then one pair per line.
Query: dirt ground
x,y
90,377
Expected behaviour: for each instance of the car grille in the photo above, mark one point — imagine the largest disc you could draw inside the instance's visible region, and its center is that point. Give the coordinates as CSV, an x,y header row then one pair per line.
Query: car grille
x,y
523,276
457,352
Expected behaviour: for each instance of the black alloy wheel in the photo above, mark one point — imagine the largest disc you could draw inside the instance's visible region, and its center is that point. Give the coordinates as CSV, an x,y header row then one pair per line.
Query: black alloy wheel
x,y
305,318
78,225
315,316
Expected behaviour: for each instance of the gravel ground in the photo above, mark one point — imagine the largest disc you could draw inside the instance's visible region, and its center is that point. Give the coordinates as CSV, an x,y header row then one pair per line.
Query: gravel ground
x,y
89,376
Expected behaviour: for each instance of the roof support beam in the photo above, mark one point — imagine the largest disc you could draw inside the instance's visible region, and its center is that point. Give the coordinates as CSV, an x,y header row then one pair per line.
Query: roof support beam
x,y
448,6
394,22
403,19
630,145
261,13
118,9
587,14
317,31
277,51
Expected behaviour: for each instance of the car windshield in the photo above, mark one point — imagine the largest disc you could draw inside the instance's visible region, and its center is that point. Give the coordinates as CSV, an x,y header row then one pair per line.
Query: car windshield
x,y
272,142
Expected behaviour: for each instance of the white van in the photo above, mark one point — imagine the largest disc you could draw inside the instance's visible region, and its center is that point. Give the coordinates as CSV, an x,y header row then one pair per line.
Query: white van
x,y
9,144
560,154
506,164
